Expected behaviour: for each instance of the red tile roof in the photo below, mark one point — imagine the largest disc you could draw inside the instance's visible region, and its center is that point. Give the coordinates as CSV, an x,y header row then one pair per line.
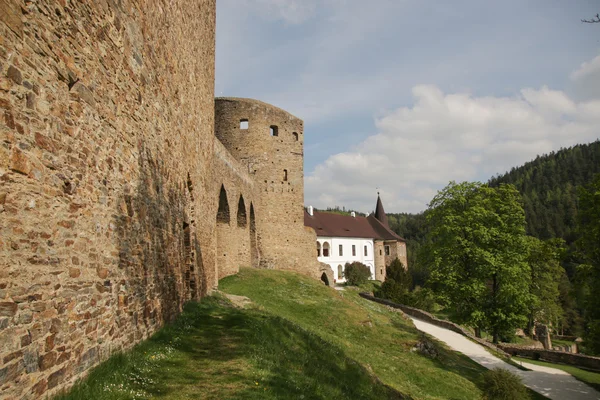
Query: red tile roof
x,y
337,225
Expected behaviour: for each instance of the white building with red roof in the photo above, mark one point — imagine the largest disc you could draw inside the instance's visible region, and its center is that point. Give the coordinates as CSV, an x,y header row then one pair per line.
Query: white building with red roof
x,y
345,239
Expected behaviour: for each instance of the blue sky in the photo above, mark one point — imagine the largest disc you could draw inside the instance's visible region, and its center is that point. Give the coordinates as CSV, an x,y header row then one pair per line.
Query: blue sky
x,y
406,95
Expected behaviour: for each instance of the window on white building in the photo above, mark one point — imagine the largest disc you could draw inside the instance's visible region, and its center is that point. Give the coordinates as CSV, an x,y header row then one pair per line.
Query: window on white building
x,y
366,252
340,272
325,249
387,250
341,249
353,250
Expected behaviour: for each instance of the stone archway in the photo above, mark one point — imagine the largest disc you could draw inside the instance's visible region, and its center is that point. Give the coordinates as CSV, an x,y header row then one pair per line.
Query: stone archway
x,y
325,279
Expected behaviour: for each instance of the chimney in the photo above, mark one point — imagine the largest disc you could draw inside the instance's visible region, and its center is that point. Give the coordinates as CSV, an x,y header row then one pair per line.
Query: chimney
x,y
310,210
353,214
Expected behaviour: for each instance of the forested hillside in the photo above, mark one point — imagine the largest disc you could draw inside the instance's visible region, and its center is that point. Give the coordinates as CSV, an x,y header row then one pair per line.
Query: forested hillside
x,y
550,189
549,184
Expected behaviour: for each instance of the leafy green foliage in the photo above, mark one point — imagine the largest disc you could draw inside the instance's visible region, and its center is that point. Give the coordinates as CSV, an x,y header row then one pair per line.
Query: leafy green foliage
x,y
501,384
413,228
397,288
397,283
589,244
546,275
479,249
356,273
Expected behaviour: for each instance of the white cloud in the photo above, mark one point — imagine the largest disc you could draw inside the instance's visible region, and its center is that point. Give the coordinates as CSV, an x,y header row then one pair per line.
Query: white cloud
x,y
452,136
586,80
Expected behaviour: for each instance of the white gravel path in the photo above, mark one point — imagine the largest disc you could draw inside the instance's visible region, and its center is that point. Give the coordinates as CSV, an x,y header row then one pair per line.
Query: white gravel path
x,y
552,383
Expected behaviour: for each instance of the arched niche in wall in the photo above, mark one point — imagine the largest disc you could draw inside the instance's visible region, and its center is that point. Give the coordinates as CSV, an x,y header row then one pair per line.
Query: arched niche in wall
x,y
223,212
254,254
242,220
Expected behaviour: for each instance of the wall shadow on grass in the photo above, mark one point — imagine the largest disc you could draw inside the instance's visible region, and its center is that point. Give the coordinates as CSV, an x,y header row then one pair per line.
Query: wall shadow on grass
x,y
215,351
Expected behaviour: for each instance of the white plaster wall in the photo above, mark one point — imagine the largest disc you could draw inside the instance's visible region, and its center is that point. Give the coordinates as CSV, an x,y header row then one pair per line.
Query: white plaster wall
x,y
334,259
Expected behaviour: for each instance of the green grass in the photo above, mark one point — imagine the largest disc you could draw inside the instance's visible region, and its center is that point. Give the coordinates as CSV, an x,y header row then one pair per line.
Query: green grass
x,y
216,351
560,342
591,378
367,332
299,339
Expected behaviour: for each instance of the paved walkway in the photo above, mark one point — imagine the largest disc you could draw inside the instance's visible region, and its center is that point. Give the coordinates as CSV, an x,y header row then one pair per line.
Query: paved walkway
x,y
552,383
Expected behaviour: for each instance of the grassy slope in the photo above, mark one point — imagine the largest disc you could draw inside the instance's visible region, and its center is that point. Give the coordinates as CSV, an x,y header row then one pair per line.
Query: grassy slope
x,y
365,331
591,378
215,351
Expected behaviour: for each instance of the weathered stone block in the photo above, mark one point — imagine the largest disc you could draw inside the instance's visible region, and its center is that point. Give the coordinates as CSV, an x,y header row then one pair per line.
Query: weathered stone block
x,y
15,75
84,93
47,360
30,359
10,372
8,309
40,388
19,162
56,378
10,14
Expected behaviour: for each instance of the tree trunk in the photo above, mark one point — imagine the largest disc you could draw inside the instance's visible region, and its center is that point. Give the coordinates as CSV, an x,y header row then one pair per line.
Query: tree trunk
x,y
478,332
495,338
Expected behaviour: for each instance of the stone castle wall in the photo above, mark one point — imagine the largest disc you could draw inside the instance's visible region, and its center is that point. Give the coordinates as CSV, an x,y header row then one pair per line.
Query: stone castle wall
x,y
272,150
236,241
117,204
107,210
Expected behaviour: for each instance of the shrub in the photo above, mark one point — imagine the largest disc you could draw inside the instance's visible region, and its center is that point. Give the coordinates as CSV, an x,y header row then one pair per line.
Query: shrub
x,y
501,384
397,283
356,273
422,298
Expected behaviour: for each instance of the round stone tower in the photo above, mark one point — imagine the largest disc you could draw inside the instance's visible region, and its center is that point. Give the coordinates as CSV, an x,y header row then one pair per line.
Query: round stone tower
x,y
269,142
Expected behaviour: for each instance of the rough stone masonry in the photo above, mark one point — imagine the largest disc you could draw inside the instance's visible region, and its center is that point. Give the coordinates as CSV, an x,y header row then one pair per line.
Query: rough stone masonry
x,y
117,201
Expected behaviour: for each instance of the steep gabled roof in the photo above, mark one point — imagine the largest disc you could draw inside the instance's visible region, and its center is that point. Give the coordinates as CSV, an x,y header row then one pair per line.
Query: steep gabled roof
x,y
336,225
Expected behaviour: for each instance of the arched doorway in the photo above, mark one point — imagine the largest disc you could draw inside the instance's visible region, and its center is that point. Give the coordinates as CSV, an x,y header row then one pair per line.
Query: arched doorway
x,y
325,279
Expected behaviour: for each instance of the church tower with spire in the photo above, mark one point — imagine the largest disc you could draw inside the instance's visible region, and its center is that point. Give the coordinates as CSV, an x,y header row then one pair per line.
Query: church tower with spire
x,y
390,246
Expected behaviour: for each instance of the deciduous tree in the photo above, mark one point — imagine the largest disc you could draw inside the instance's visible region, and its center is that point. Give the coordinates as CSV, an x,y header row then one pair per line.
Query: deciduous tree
x,y
479,255
546,275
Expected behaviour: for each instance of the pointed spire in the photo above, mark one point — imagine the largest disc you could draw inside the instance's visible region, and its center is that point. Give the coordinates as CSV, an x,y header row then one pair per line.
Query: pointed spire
x,y
380,212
